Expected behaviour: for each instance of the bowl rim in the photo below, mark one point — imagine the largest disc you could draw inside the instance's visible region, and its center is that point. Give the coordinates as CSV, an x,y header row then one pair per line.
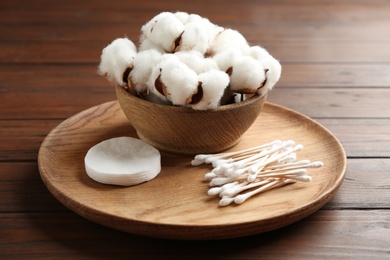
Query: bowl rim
x,y
243,103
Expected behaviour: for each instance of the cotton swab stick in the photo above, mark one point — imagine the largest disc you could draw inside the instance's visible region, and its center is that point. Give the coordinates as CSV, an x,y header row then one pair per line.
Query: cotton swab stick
x,y
201,158
257,169
243,197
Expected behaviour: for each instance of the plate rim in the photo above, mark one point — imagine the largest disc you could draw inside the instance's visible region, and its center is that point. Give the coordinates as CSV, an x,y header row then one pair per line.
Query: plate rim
x,y
307,208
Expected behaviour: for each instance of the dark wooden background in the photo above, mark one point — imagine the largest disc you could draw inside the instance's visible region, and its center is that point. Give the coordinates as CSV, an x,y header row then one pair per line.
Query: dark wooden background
x,y
336,69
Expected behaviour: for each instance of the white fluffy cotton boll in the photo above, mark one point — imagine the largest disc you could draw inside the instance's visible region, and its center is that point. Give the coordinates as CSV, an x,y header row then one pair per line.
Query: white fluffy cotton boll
x,y
257,52
193,59
214,83
178,80
228,39
273,73
156,92
163,30
212,29
209,64
226,59
248,75
146,44
182,16
195,18
142,69
116,58
194,37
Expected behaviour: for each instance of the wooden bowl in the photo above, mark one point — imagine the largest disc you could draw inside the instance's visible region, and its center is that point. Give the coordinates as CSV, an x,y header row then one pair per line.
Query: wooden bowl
x,y
188,131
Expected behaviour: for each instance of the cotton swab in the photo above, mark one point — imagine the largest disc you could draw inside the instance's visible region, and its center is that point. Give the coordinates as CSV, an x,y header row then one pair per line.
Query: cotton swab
x,y
257,169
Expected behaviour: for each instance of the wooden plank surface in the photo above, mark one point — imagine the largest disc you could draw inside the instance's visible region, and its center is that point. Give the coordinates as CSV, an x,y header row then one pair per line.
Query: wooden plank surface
x,y
335,60
343,234
367,138
23,190
75,87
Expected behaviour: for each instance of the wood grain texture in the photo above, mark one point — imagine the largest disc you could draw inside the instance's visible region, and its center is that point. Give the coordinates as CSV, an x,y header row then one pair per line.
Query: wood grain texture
x,y
335,62
171,205
344,234
330,103
188,131
335,103
366,138
23,190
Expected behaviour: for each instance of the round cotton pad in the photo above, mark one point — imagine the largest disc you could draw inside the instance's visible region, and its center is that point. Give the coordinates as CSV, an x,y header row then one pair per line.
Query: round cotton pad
x,y
122,161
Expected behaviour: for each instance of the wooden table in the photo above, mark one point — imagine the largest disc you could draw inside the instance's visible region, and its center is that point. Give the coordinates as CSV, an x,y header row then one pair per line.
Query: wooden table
x,y
336,70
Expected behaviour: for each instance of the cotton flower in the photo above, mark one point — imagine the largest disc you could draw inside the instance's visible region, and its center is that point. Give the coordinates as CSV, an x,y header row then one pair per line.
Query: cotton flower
x,y
273,72
208,64
192,59
174,80
143,65
146,44
247,76
117,61
256,52
213,85
154,80
182,16
195,18
210,28
164,31
195,61
194,37
228,39
226,59
184,59
272,67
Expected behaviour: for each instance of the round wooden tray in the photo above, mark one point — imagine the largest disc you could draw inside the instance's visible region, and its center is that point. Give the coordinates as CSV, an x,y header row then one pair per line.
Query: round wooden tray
x,y
175,204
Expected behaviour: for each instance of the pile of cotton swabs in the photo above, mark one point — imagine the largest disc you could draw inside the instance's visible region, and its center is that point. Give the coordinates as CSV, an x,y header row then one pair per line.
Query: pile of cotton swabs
x,y
239,175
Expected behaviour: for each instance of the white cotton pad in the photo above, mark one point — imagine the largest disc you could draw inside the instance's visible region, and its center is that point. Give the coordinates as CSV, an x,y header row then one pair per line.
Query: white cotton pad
x,y
123,161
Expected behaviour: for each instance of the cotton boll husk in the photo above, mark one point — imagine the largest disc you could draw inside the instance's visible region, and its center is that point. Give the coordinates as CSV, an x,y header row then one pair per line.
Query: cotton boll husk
x,y
142,69
273,74
158,95
154,94
154,77
195,37
163,30
214,83
228,39
248,75
180,81
116,58
182,16
226,59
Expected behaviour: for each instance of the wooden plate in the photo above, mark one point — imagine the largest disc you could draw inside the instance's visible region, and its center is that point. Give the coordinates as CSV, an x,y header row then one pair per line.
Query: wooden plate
x,y
175,204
